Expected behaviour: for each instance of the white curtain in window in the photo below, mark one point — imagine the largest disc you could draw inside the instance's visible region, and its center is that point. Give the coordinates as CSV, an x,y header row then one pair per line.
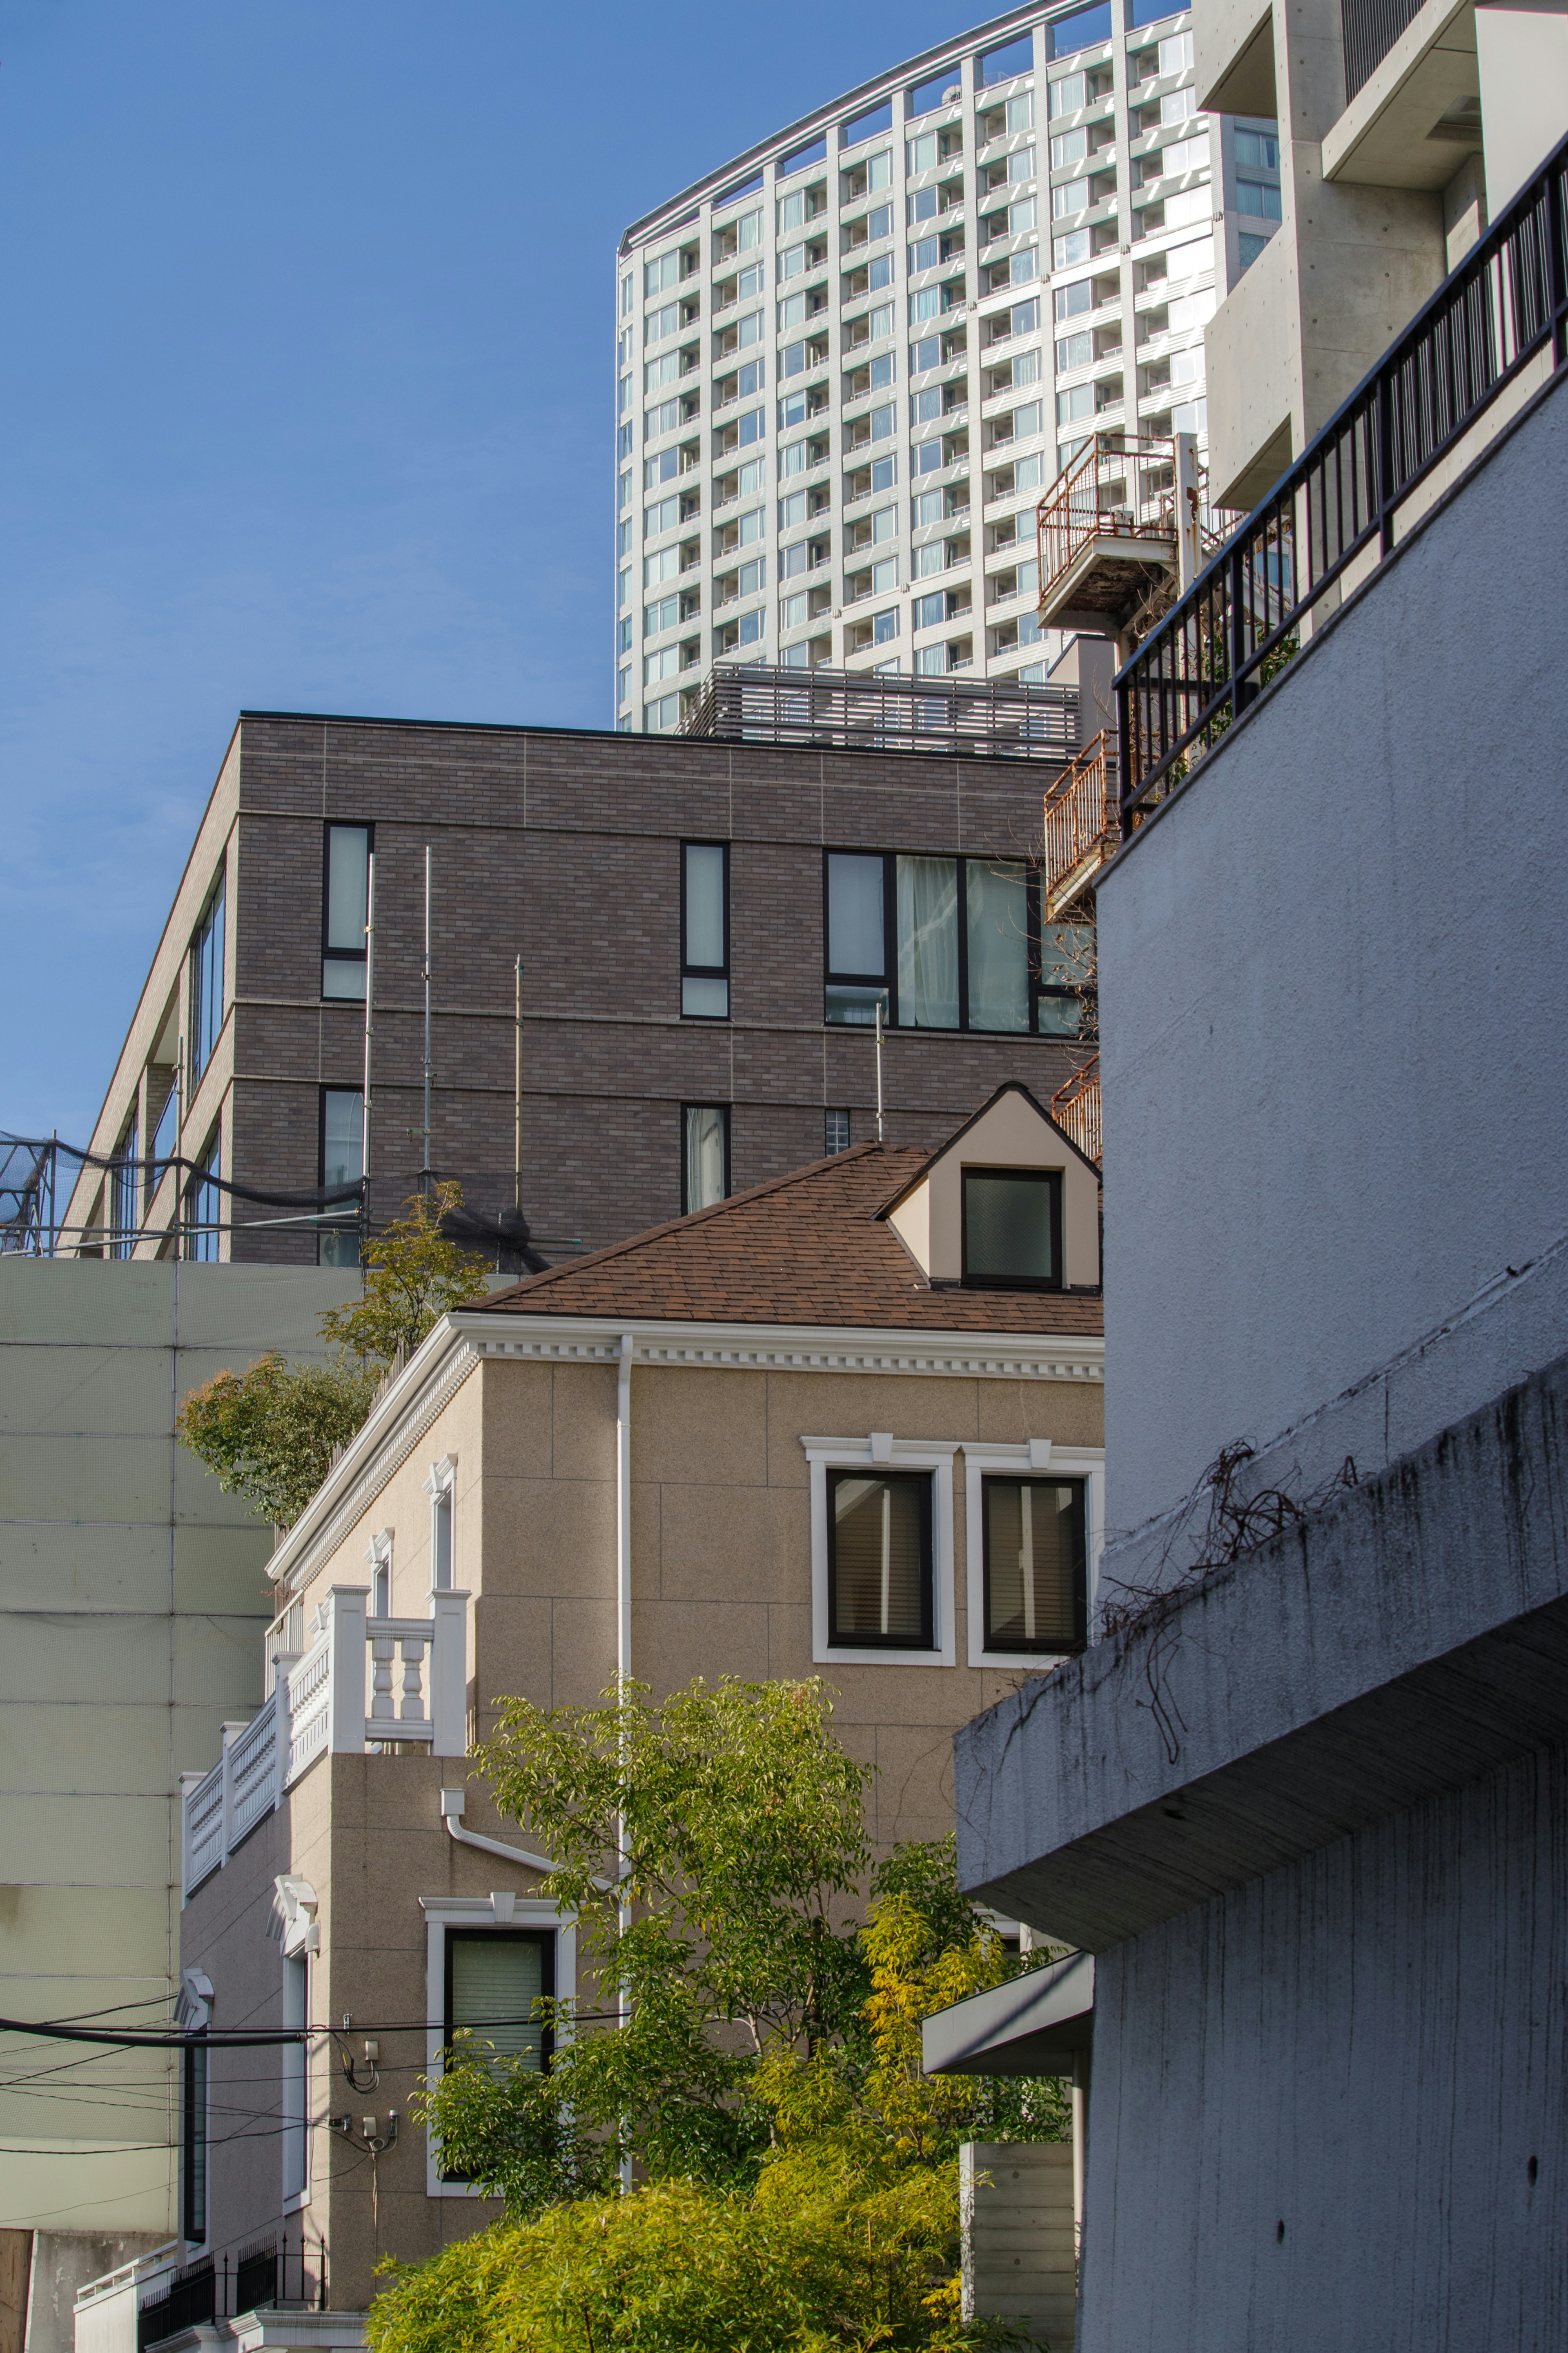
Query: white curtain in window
x,y
998,946
928,942
704,1155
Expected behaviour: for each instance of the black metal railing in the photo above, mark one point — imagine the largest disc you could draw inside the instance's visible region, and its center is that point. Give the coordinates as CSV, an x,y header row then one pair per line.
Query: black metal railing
x,y
1245,616
759,703
257,2279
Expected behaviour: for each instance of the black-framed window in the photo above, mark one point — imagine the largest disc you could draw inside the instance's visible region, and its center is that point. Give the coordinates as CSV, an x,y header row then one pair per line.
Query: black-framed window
x,y
1035,1565
204,1204
950,943
879,1566
494,1979
206,982
345,908
705,930
704,1155
1013,1229
341,1162
194,2144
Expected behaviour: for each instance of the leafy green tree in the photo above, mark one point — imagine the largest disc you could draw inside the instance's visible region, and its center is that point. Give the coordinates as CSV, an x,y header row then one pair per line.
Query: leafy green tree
x,y
413,1276
798,2175
270,1433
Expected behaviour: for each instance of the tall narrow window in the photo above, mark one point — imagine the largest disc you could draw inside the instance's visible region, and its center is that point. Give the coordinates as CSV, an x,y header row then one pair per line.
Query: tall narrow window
x,y
856,938
705,1162
295,2117
125,1194
834,1131
194,2144
928,942
880,1560
206,984
380,1558
438,1486
341,1163
998,922
344,908
1034,1574
204,1206
1012,1229
496,1980
1067,1002
705,931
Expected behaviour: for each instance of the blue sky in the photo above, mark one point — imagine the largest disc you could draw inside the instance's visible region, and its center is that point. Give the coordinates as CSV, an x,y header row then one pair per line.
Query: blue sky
x,y
306,395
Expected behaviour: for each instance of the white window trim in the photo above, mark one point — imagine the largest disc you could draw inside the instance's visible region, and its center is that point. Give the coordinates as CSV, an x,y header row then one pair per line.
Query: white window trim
x,y
444,1912
440,1485
301,2054
378,1556
1035,1458
825,1454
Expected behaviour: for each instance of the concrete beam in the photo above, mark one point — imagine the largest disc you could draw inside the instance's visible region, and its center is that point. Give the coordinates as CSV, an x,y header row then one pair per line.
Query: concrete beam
x,y
1408,1639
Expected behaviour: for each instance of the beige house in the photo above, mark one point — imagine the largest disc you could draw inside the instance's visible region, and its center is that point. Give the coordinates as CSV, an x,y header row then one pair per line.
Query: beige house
x,y
847,1424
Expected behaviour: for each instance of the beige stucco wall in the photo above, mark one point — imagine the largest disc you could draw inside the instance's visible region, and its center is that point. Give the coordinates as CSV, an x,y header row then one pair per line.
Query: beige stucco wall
x,y
133,1593
721,1585
1010,1134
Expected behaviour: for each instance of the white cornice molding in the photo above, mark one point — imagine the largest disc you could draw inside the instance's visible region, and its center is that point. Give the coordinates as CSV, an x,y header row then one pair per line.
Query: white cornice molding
x,y
438,1367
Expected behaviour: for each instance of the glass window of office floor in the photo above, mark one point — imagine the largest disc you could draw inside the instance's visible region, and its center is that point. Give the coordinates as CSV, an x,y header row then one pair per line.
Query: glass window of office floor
x,y
949,944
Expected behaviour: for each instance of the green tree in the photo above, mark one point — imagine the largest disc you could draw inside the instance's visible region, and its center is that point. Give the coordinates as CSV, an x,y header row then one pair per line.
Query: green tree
x,y
269,1432
798,2175
413,1276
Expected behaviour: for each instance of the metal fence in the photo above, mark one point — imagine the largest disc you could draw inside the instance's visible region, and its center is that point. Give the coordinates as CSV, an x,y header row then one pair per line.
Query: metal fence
x,y
1249,610
865,710
257,2278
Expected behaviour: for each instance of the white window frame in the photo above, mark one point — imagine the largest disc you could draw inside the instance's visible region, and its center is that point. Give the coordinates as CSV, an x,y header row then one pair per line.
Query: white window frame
x,y
440,1485
881,1450
445,1912
378,1556
1036,1458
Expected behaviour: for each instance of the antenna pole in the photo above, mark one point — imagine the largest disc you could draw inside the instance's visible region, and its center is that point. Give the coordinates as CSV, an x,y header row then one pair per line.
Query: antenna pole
x,y
369,1042
517,1093
879,1070
424,1131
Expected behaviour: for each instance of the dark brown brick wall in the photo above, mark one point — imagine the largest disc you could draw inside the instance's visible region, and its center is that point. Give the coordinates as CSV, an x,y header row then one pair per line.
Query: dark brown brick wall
x,y
564,848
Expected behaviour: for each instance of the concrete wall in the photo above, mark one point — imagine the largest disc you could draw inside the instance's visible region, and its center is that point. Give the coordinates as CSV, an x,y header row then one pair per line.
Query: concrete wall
x,y
1327,2110
132,1596
1336,1070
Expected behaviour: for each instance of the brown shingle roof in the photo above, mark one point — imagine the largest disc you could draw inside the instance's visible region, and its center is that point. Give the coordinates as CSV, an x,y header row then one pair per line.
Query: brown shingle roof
x,y
806,1249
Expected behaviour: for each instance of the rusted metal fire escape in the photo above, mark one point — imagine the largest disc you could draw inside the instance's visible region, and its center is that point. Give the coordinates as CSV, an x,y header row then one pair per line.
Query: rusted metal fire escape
x,y
1079,833
1122,532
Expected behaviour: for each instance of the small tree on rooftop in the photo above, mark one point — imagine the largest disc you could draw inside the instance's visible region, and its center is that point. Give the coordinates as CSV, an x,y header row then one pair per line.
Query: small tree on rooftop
x,y
270,1433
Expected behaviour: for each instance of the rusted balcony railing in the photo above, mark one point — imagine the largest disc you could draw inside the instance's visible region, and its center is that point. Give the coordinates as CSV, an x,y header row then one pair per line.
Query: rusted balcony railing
x,y
1075,1107
1080,830
1107,529
1503,310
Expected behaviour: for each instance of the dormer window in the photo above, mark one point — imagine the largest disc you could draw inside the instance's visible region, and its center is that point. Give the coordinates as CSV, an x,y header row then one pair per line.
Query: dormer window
x,y
1012,1229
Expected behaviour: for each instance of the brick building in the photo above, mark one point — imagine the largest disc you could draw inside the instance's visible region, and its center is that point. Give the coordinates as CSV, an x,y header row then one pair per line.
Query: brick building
x,y
704,931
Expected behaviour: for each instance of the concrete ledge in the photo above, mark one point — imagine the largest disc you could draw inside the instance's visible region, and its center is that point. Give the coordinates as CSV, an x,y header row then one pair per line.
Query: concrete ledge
x,y
1409,1640
1033,2025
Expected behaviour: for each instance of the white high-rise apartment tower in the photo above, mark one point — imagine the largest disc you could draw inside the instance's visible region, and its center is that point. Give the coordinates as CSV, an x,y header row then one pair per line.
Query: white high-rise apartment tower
x,y
850,360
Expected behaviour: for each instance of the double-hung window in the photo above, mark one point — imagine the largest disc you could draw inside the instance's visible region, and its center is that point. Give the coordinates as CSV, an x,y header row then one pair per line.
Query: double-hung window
x,y
345,907
950,943
705,931
206,984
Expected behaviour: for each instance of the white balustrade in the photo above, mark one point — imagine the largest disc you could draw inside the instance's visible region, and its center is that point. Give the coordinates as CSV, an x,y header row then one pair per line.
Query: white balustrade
x,y
417,1672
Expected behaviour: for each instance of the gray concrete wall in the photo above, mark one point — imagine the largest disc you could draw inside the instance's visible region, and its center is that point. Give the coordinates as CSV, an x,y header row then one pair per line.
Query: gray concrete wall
x,y
1335,1067
133,1596
1317,2100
